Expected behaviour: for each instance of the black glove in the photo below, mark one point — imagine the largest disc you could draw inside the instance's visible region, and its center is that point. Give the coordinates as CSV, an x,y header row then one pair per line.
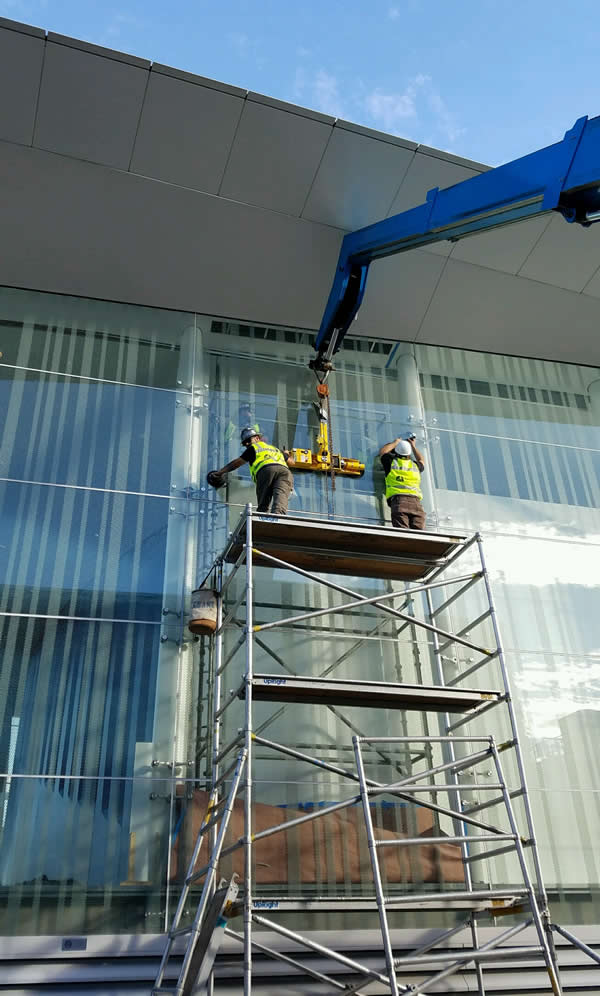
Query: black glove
x,y
215,480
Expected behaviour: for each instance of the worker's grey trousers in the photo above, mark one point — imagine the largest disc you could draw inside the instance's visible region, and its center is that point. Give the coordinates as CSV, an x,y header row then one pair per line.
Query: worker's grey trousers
x,y
274,485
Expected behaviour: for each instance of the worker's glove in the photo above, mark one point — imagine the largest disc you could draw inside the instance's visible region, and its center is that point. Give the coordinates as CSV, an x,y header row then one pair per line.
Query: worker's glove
x,y
215,480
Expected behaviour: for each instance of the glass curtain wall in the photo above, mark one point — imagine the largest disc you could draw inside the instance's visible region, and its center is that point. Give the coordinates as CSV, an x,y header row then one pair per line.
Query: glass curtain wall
x,y
113,415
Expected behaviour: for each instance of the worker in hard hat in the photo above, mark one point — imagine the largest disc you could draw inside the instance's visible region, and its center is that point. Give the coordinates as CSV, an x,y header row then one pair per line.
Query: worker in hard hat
x,y
403,465
268,468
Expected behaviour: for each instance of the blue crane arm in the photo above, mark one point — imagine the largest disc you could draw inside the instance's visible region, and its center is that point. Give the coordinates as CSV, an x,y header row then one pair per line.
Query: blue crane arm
x,y
564,177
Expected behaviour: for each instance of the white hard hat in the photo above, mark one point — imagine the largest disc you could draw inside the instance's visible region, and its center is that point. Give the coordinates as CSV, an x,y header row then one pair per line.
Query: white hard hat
x,y
403,448
247,433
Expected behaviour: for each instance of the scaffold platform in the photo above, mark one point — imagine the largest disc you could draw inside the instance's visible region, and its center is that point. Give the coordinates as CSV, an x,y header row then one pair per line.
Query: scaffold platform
x,y
347,548
378,694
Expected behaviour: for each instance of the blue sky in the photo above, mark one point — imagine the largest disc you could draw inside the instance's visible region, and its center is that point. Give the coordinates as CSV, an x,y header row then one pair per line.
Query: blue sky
x,y
486,79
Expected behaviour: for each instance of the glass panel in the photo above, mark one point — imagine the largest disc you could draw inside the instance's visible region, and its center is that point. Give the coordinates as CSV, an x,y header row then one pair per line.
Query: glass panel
x,y
102,435
271,386
97,339
506,396
67,552
80,698
511,469
84,856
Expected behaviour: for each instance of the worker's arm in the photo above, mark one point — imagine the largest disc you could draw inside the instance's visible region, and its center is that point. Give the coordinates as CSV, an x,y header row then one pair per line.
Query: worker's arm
x,y
232,465
418,458
288,457
390,446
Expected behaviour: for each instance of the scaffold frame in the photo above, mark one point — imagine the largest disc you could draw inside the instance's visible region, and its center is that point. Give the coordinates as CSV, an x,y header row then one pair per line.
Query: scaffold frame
x,y
460,752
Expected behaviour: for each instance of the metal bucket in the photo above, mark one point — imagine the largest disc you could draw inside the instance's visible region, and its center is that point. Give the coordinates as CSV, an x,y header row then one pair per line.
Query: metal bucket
x,y
203,620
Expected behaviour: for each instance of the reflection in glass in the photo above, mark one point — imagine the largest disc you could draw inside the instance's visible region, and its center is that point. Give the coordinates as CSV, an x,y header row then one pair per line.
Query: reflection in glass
x,y
71,552
78,696
87,855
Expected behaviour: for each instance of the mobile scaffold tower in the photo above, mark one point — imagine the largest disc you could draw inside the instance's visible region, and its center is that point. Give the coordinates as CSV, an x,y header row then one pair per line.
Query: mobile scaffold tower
x,y
467,781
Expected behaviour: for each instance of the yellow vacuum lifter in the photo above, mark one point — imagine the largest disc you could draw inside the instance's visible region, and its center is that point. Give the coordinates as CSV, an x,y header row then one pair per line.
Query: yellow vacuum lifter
x,y
322,459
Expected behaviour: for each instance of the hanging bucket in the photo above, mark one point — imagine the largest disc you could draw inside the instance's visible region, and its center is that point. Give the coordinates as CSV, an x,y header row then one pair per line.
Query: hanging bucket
x,y
203,620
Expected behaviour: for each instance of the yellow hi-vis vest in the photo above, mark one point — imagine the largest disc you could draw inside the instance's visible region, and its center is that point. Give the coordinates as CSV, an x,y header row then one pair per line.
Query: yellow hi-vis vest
x,y
404,478
265,454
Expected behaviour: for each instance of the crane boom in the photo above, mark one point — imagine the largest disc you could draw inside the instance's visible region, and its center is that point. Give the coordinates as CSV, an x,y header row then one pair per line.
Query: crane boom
x,y
564,177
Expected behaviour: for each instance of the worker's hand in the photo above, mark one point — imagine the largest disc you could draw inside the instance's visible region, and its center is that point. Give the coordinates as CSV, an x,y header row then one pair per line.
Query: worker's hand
x,y
411,438
215,479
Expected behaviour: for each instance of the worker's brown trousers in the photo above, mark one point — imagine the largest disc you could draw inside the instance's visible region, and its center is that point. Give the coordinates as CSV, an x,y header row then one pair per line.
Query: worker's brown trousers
x,y
407,512
274,485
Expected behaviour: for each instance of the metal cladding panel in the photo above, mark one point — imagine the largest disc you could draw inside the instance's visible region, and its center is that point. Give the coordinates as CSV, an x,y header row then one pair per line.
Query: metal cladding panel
x,y
565,256
476,308
89,105
185,132
274,158
593,287
78,228
340,196
424,173
398,293
504,249
20,69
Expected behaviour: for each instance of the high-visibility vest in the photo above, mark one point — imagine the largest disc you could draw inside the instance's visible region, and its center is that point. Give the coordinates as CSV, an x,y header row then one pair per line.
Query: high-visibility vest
x,y
265,454
403,478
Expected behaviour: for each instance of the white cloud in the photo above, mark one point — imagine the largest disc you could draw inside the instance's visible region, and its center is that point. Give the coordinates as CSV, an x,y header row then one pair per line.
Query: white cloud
x,y
394,13
320,91
446,120
388,110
